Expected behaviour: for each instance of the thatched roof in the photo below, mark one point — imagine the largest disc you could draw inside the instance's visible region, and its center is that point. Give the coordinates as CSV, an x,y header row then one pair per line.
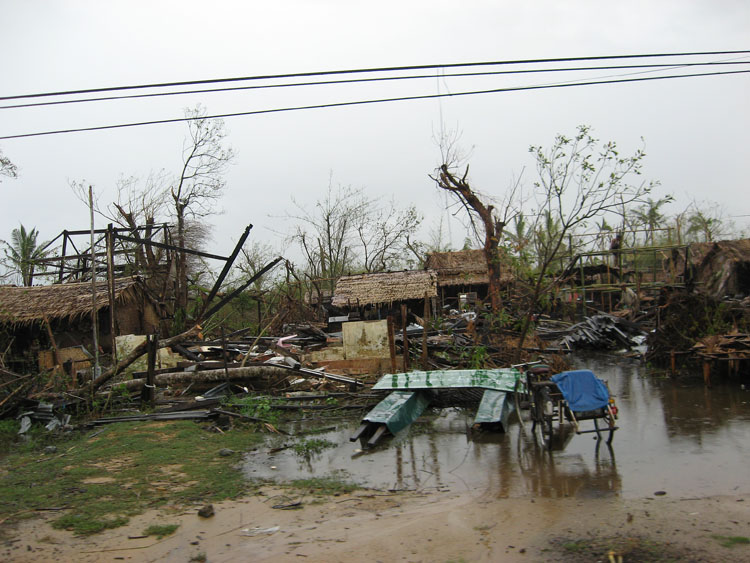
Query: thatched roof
x,y
734,250
387,287
716,266
463,267
22,305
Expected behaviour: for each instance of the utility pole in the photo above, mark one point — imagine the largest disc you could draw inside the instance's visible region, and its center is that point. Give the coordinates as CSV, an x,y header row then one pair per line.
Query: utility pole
x,y
94,323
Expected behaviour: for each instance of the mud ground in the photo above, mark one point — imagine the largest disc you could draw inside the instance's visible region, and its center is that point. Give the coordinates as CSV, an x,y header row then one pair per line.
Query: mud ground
x,y
372,525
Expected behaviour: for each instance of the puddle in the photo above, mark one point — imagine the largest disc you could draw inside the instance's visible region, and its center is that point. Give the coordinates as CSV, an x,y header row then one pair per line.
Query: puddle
x,y
682,439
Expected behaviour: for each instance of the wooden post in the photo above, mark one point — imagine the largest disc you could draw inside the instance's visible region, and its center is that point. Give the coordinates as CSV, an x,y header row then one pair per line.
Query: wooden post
x,y
392,343
55,355
424,330
672,362
148,393
224,354
707,372
111,289
62,256
406,338
94,313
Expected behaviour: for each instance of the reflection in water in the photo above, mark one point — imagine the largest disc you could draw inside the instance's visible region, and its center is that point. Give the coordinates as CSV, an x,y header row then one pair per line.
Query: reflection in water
x,y
552,474
683,439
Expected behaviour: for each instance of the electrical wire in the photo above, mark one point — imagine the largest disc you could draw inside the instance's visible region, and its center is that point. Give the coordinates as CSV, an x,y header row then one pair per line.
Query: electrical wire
x,y
366,102
371,70
365,80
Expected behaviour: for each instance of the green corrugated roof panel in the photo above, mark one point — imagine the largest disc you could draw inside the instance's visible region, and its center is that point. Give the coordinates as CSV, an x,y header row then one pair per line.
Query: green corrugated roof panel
x,y
503,379
399,409
495,408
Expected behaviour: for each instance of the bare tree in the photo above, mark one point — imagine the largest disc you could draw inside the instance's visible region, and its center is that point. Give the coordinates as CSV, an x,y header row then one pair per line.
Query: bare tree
x,y
384,234
327,233
478,212
7,168
205,159
579,181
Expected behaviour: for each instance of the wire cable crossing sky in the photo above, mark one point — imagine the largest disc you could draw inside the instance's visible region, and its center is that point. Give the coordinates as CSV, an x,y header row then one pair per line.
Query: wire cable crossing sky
x,y
587,82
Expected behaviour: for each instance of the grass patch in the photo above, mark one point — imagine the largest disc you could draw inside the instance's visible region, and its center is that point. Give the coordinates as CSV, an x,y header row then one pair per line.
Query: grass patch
x,y
8,434
630,548
576,546
731,541
307,448
126,470
258,406
325,485
161,531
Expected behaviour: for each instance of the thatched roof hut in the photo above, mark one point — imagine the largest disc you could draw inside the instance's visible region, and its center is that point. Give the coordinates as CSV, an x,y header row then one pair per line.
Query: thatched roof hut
x,y
386,287
721,268
70,301
462,267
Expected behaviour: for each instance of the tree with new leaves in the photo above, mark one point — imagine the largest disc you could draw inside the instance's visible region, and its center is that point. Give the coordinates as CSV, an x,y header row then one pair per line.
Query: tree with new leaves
x,y
579,180
23,252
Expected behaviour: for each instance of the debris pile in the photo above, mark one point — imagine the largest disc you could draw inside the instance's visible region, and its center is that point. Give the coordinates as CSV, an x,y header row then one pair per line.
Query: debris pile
x,y
685,319
603,332
734,346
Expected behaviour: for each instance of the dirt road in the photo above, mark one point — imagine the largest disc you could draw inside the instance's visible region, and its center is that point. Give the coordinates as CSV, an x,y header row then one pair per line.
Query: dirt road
x,y
372,525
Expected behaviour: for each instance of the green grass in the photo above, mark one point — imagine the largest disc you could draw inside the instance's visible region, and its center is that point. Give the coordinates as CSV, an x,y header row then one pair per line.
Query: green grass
x,y
161,531
325,485
126,470
576,546
731,541
307,448
630,548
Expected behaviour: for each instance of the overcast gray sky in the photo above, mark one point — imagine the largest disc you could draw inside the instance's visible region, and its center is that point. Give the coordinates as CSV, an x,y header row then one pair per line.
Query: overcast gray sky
x,y
696,130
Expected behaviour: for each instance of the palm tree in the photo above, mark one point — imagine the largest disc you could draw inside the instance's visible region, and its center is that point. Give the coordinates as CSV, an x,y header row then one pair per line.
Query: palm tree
x,y
700,223
650,216
23,252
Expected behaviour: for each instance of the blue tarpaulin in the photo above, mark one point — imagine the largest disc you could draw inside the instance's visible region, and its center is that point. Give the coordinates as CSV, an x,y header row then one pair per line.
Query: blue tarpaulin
x,y
582,390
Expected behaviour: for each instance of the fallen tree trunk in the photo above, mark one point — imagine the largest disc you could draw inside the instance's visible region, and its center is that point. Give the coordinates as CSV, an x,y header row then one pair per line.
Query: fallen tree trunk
x,y
214,376
136,353
89,389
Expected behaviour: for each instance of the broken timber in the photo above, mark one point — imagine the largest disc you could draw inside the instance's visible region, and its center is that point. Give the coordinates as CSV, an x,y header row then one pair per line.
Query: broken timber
x,y
414,391
266,371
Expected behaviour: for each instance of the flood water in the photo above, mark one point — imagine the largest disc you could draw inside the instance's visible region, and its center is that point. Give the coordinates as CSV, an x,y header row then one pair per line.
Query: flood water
x,y
676,437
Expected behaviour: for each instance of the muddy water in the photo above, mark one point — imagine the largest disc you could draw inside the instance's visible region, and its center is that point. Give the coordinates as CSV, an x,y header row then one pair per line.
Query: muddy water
x,y
679,438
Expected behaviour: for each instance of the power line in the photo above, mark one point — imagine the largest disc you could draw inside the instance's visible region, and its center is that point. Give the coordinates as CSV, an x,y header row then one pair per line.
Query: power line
x,y
365,80
365,102
371,70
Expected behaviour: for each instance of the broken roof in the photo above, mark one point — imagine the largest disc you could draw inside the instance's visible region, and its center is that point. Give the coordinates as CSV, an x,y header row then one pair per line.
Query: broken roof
x,y
385,287
21,305
462,267
717,265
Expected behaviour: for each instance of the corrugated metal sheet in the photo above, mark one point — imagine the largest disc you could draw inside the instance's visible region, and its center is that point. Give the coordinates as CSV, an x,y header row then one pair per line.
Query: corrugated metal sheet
x,y
503,379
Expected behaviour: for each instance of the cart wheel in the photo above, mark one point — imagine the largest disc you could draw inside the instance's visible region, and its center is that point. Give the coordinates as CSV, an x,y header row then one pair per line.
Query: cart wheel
x,y
545,413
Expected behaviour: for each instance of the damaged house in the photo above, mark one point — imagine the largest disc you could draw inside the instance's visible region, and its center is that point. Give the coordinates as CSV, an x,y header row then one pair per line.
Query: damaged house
x,y
375,296
719,269
39,321
462,277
